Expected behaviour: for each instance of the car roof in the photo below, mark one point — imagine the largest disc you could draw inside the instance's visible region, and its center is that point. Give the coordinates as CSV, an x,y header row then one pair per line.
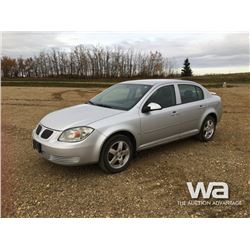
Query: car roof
x,y
157,81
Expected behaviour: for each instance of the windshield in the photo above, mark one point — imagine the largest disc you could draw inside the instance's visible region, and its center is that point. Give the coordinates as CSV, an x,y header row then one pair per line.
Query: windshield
x,y
120,96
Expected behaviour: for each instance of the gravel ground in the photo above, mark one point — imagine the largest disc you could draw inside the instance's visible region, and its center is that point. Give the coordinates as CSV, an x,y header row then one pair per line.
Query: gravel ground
x,y
153,185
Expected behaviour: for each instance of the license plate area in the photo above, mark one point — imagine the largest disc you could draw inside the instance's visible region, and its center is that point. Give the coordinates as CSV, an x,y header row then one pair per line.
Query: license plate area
x,y
37,146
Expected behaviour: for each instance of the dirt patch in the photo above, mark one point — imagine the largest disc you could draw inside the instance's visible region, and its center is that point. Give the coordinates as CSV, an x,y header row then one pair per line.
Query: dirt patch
x,y
74,94
150,187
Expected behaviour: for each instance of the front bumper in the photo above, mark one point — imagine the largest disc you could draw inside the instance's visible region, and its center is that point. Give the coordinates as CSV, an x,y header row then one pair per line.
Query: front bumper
x,y
70,154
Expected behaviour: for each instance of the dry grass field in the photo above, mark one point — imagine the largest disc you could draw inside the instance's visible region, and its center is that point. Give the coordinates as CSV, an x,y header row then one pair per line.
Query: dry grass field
x,y
150,187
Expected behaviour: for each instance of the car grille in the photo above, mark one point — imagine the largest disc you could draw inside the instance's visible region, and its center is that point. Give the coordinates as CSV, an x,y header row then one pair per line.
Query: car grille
x,y
38,130
46,133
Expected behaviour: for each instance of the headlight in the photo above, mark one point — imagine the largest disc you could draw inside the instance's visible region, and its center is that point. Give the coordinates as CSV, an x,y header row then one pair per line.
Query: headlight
x,y
75,134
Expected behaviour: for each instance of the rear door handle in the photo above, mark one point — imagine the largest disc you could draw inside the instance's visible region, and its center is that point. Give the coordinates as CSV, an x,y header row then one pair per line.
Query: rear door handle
x,y
202,106
174,113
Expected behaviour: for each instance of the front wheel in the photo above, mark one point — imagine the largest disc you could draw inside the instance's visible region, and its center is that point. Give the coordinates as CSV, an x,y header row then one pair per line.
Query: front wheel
x,y
116,154
207,129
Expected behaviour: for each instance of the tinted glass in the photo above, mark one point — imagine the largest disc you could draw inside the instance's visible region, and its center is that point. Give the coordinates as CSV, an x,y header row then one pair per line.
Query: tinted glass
x,y
190,93
120,96
199,92
164,96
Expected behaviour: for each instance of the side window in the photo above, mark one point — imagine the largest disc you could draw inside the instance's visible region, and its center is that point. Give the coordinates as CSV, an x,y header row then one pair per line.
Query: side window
x,y
199,92
164,96
190,93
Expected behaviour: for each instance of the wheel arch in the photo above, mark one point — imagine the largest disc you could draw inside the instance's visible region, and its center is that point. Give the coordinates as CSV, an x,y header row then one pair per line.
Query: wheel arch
x,y
121,132
208,113
213,114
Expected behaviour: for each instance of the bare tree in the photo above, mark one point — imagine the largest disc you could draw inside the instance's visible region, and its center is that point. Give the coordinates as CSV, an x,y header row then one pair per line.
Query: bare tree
x,y
89,62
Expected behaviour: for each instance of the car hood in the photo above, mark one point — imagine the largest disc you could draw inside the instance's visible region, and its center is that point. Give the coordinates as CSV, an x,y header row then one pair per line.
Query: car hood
x,y
79,115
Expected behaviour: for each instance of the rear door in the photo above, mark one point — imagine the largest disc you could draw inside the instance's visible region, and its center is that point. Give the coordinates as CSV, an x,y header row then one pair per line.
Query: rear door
x,y
191,107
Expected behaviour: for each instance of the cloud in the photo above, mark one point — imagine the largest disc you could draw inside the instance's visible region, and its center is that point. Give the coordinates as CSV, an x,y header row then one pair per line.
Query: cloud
x,y
205,50
30,43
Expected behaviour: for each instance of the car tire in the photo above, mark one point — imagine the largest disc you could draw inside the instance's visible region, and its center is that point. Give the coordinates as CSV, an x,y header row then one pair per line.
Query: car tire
x,y
116,154
207,129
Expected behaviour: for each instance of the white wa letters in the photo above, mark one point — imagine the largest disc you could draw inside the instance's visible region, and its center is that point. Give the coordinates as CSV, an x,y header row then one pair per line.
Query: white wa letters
x,y
218,190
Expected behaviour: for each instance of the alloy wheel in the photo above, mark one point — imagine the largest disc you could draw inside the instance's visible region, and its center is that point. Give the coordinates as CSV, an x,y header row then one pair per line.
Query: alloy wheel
x,y
208,129
118,154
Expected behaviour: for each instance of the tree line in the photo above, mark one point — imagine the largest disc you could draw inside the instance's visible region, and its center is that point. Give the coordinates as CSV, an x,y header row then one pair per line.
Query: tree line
x,y
88,62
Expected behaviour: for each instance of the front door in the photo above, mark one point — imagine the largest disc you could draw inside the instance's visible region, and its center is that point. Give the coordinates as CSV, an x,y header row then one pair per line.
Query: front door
x,y
158,125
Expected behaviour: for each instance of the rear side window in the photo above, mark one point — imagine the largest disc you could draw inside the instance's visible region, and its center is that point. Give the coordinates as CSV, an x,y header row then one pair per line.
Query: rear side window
x,y
164,96
190,93
199,92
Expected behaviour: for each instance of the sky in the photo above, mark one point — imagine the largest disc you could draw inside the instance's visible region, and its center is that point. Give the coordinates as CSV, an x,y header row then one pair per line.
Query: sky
x,y
207,52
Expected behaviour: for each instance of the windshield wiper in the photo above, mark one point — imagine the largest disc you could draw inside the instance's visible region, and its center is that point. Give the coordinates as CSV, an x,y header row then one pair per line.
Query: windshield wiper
x,y
104,105
92,103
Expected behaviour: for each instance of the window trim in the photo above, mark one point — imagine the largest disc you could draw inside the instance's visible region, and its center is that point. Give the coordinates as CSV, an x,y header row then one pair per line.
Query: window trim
x,y
196,87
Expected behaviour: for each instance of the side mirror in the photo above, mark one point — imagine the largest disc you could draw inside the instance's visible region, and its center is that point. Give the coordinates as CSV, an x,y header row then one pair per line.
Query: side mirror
x,y
151,107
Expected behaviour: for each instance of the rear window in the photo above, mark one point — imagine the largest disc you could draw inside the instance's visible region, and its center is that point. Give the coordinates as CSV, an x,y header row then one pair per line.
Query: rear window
x,y
190,93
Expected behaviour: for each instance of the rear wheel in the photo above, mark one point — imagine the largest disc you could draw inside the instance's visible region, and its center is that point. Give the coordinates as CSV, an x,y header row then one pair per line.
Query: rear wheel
x,y
207,129
116,154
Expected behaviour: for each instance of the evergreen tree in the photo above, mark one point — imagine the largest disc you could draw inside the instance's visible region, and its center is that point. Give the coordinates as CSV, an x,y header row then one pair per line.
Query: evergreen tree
x,y
186,70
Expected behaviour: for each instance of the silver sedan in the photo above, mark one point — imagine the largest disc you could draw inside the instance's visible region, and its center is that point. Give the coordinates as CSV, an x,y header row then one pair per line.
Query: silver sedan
x,y
126,118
